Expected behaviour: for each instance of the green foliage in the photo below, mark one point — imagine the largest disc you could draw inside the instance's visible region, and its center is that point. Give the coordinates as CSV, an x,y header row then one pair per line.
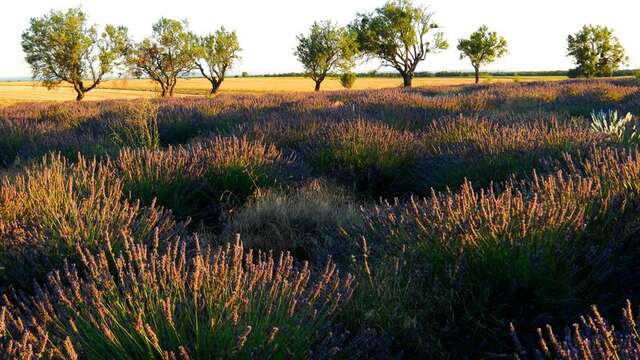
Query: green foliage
x,y
400,34
596,51
169,53
326,48
216,54
62,47
482,47
348,79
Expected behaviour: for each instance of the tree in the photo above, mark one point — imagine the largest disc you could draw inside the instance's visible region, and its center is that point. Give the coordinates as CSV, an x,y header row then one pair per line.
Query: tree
x,y
482,47
62,47
400,34
348,79
597,52
168,54
216,54
328,47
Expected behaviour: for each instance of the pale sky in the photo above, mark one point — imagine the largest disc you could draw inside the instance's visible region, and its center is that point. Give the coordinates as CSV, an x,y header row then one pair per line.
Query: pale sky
x,y
267,29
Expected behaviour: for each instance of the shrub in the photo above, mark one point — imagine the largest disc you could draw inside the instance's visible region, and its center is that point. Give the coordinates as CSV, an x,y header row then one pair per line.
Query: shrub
x,y
592,337
622,129
433,269
485,152
11,141
135,125
55,206
219,303
372,158
305,221
347,80
196,180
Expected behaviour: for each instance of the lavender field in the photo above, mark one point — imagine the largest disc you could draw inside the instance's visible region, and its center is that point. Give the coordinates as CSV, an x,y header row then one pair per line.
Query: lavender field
x,y
448,222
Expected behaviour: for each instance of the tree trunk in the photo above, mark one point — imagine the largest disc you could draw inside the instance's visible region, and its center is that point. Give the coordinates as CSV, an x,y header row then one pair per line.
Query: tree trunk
x,y
407,80
172,87
77,86
477,74
163,88
215,86
318,82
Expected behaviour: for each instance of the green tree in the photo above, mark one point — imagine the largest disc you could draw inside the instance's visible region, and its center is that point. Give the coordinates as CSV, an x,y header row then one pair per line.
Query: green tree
x,y
168,54
348,79
597,52
482,47
216,54
62,47
327,48
401,34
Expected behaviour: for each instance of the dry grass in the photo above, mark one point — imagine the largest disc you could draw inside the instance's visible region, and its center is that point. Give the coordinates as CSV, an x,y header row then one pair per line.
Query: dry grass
x,y
11,93
134,88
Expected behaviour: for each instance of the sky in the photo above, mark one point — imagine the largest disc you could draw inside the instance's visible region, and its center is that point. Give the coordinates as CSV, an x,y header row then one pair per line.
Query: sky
x,y
536,31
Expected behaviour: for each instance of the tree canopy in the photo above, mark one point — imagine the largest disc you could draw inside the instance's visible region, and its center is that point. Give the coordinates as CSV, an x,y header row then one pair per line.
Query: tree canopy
x,y
169,53
216,54
401,34
326,48
482,47
597,52
62,47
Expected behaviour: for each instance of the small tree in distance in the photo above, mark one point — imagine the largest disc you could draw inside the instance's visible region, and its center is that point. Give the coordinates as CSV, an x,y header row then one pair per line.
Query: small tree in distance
x,y
400,34
216,54
169,53
326,48
348,79
61,47
482,47
597,52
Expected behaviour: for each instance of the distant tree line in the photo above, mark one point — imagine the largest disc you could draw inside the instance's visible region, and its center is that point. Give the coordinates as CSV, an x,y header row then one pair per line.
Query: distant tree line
x,y
62,46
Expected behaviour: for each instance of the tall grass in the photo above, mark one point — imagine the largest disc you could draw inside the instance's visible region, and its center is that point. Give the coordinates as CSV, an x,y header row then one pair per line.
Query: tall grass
x,y
55,206
219,303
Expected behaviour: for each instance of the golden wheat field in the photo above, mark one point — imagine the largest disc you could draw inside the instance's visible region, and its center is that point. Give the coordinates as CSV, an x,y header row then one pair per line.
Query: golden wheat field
x,y
22,91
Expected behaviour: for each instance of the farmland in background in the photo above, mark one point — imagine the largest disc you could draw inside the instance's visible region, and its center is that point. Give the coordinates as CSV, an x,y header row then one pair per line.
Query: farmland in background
x,y
130,88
